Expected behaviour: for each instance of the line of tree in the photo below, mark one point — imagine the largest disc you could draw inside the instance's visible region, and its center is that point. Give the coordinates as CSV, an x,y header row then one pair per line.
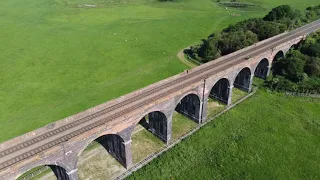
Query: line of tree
x,y
250,31
299,70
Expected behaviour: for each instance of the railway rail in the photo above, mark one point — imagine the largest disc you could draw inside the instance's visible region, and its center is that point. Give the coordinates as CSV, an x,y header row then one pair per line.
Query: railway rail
x,y
61,134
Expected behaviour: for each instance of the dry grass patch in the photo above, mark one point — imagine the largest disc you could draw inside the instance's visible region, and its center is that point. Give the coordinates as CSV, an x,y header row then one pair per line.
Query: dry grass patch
x,y
214,107
237,94
144,143
98,164
181,125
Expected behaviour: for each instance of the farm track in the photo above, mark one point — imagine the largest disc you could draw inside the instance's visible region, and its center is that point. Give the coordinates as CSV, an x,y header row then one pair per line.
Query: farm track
x,y
36,145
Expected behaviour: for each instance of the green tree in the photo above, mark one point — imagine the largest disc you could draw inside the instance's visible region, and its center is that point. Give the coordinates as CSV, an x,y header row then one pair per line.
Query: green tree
x,y
209,50
312,66
268,29
311,49
292,66
295,69
248,24
281,83
282,12
234,41
263,29
312,13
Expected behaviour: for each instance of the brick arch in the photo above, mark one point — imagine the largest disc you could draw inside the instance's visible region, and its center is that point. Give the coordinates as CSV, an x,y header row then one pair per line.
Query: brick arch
x,y
242,79
184,95
273,57
237,71
113,143
187,103
88,142
212,86
280,52
263,66
254,66
157,123
150,111
296,45
212,83
285,50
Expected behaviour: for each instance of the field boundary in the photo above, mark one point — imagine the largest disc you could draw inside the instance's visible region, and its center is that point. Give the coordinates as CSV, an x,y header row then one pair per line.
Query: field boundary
x,y
156,154
312,95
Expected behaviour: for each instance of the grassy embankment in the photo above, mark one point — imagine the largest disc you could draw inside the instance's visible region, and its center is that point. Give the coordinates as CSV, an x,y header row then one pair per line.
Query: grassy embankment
x,y
61,57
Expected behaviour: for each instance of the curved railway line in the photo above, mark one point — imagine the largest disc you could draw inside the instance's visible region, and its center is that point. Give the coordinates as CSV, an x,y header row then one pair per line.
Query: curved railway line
x,y
146,97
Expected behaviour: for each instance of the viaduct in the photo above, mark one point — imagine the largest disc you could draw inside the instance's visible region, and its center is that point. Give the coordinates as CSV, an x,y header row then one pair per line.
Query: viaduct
x,y
59,144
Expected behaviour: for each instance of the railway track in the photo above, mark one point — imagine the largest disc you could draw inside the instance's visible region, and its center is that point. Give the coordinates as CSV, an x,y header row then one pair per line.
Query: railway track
x,y
155,93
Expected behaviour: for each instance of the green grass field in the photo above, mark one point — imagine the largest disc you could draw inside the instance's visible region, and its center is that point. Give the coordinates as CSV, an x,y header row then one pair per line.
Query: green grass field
x,y
268,136
60,57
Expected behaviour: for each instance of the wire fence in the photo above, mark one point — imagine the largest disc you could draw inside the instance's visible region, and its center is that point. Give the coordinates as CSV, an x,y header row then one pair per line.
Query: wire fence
x,y
303,94
156,154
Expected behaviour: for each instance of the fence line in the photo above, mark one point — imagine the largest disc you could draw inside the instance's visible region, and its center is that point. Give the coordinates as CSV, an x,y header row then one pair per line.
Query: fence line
x,y
303,94
154,155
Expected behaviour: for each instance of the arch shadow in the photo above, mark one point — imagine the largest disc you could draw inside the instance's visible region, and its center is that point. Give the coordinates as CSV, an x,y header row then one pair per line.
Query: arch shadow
x,y
276,63
189,106
262,69
243,80
280,54
220,91
113,143
156,123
